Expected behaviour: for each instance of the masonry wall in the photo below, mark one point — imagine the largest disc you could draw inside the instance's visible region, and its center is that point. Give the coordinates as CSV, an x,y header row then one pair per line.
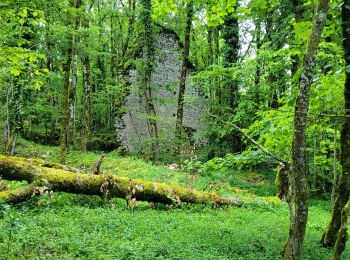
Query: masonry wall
x,y
132,129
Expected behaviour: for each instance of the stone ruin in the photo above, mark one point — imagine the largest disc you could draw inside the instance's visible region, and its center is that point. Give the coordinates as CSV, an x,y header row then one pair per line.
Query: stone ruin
x,y
132,127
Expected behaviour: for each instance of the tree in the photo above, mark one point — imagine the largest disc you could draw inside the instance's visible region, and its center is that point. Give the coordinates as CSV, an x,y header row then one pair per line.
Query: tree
x,y
20,70
335,232
66,101
299,197
148,49
184,70
86,114
230,52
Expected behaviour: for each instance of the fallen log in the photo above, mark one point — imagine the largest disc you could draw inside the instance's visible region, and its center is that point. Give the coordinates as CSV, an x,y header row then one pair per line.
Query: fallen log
x,y
16,168
17,195
48,164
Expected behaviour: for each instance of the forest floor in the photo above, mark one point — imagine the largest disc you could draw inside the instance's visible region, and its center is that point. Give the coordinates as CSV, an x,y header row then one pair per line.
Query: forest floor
x,y
90,227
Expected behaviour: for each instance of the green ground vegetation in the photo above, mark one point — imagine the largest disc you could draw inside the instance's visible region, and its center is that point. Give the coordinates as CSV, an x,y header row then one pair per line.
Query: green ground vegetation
x,y
72,226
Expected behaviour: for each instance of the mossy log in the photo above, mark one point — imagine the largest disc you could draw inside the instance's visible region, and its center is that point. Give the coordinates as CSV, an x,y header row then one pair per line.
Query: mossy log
x,y
15,168
17,195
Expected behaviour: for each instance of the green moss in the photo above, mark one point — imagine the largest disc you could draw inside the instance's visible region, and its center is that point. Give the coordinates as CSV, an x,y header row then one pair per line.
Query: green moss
x,y
16,195
281,181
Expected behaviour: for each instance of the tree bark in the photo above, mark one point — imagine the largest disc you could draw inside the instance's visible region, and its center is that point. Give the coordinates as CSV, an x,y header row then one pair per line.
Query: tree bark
x,y
16,168
335,173
342,233
97,167
217,88
72,100
87,102
184,70
258,64
329,236
113,62
230,53
210,46
13,122
273,77
149,52
73,87
298,174
50,67
66,86
86,115
131,21
16,195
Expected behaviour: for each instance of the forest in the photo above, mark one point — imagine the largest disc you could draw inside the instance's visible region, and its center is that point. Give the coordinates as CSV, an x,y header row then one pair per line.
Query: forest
x,y
174,129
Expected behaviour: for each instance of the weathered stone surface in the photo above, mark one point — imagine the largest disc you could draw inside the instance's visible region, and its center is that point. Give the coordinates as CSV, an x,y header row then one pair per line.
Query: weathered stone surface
x,y
132,128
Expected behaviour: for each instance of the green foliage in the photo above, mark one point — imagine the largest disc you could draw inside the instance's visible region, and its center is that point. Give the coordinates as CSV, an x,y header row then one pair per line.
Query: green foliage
x,y
103,142
87,226
253,86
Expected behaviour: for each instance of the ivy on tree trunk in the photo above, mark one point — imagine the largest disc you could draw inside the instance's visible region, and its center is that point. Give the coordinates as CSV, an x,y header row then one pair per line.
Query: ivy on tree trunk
x,y
66,86
86,115
299,193
184,71
334,232
148,41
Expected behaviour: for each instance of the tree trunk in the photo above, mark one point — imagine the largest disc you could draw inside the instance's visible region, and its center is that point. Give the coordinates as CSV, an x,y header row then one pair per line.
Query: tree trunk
x,y
15,168
258,65
184,70
49,65
86,115
17,195
66,86
210,46
6,129
335,173
216,36
100,67
73,88
298,174
8,132
72,100
342,233
13,122
329,236
52,139
210,59
272,75
230,52
149,52
85,131
131,21
113,62
100,79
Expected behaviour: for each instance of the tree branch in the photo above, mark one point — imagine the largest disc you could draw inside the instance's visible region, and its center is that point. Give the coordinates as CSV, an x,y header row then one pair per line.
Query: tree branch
x,y
240,130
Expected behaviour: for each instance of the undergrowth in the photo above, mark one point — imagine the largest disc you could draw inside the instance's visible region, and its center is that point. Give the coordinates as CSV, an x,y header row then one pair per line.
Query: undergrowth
x,y
90,227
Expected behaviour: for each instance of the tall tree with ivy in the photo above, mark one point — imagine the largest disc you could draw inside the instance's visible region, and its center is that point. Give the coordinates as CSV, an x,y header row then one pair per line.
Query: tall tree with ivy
x,y
230,52
148,50
184,71
299,192
66,101
335,232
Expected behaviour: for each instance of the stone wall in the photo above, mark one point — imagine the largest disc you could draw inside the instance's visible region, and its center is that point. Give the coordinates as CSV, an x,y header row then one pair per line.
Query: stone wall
x,y
132,128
